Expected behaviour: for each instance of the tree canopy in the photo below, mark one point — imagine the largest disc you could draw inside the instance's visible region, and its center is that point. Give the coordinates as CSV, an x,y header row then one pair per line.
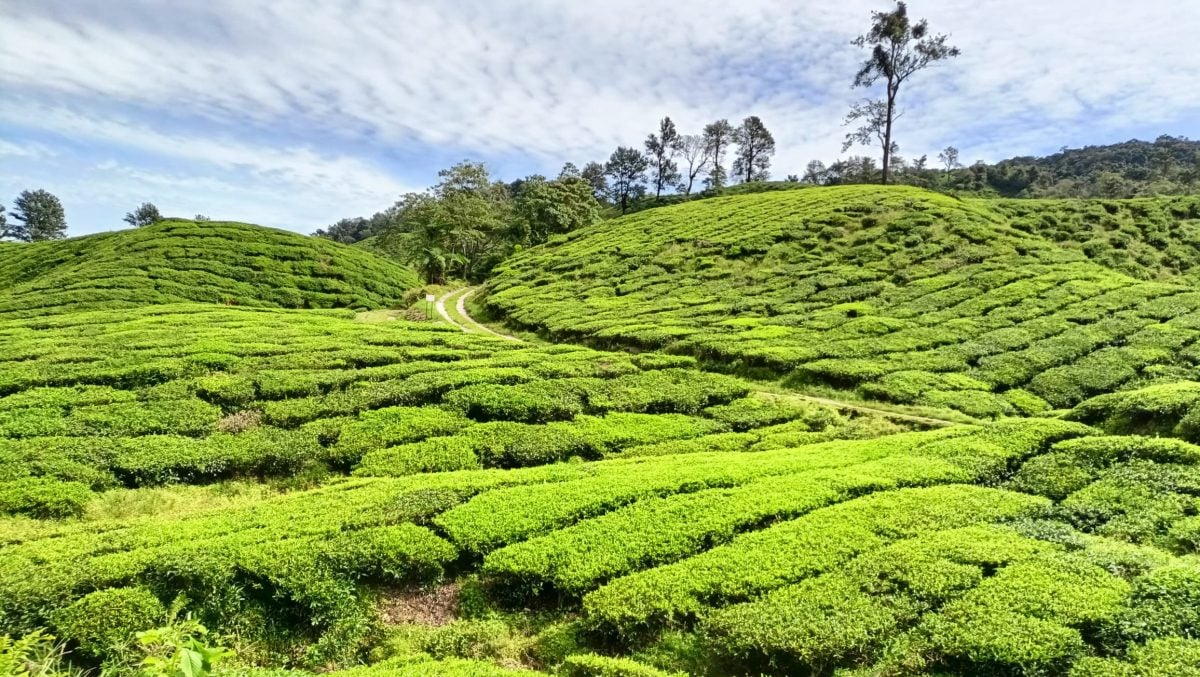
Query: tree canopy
x,y
660,150
38,215
718,136
755,148
145,215
626,171
899,49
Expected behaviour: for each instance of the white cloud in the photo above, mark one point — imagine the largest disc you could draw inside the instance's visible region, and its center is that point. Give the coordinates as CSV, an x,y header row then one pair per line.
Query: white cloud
x,y
554,80
296,166
26,151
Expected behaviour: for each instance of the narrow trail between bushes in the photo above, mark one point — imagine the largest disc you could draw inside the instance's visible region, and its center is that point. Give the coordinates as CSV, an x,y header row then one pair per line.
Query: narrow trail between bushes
x,y
440,304
861,408
459,317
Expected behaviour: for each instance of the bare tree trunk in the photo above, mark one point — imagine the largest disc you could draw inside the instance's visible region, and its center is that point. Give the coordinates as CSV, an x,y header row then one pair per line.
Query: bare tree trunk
x,y
887,135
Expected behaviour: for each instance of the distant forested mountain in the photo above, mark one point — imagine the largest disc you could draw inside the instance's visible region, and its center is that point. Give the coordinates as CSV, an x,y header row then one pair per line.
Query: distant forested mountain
x,y
1167,166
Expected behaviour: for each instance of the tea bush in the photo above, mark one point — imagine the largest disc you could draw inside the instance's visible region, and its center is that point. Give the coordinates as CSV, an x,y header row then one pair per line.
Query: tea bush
x,y
106,620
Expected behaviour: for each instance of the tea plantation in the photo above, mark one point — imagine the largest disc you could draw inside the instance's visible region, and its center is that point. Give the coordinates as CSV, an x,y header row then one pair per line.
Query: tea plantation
x,y
211,261
333,491
896,294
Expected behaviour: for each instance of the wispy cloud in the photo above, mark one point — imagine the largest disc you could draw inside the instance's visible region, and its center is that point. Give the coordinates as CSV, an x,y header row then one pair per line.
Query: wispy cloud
x,y
362,99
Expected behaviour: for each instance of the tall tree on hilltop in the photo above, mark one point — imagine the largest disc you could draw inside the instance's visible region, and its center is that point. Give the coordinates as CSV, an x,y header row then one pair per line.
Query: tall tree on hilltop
x,y
661,149
626,170
593,173
40,215
3,222
694,152
717,138
145,215
755,148
949,158
899,48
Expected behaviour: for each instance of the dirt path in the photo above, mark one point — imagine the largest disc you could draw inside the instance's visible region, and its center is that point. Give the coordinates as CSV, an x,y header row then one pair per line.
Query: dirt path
x,y
468,324
440,304
850,406
457,315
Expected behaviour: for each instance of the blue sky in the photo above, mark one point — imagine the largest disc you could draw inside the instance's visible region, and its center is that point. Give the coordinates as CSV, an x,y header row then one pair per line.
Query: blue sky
x,y
294,114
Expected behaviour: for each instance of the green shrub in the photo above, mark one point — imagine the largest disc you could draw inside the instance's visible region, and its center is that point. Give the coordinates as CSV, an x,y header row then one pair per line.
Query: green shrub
x,y
793,550
1177,656
383,428
1025,617
170,417
1025,402
436,454
103,621
818,622
1185,534
44,498
595,665
399,553
534,402
750,412
1054,476
1165,603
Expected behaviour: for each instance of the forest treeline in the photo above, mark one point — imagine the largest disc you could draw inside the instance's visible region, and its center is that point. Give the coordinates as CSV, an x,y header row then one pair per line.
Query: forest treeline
x,y
470,221
1168,165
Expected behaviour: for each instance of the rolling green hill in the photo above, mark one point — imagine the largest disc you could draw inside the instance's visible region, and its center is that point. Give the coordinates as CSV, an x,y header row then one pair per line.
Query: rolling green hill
x,y
897,293
215,262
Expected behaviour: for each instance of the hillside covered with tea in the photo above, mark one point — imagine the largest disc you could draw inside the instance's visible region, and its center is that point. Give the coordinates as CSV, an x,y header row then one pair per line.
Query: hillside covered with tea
x,y
896,294
211,262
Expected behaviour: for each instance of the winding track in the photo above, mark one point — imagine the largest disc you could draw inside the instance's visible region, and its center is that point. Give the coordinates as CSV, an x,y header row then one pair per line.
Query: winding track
x,y
468,324
464,321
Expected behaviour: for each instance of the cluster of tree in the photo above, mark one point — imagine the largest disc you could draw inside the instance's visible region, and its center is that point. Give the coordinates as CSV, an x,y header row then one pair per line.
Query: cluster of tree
x,y
1167,166
147,214
900,48
469,222
349,231
679,162
37,215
